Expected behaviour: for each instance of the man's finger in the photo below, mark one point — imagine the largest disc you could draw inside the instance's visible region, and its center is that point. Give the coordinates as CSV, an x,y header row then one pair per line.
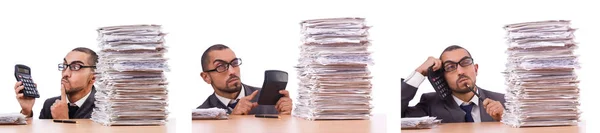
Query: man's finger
x,y
436,65
281,100
18,84
251,96
278,104
20,96
285,93
498,110
19,89
63,93
286,105
486,102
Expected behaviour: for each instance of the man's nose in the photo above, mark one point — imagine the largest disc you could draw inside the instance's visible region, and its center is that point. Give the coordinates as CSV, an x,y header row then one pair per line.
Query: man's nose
x,y
66,73
460,69
231,70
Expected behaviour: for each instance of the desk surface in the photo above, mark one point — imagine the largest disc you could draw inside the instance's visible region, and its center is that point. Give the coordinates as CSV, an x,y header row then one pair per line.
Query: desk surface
x,y
82,126
495,127
288,124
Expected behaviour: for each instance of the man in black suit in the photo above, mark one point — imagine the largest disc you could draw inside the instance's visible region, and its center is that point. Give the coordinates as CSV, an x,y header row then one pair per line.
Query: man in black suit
x,y
77,91
463,105
221,70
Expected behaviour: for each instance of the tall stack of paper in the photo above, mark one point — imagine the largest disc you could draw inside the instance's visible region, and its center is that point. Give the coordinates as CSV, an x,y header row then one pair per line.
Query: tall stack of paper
x,y
131,86
335,82
542,86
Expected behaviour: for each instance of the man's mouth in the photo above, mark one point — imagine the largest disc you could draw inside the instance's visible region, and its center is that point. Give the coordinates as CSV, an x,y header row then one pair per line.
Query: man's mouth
x,y
233,79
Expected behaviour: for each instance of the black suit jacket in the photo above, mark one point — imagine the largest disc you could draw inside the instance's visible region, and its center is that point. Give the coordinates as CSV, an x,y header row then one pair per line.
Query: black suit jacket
x,y
213,101
432,104
84,112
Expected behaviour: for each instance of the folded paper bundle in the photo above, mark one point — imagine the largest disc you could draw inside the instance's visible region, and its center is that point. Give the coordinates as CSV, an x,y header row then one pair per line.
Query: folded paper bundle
x,y
542,86
13,119
209,114
335,82
419,122
131,86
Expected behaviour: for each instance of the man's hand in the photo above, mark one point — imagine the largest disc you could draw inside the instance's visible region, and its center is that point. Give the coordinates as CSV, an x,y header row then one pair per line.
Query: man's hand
x,y
284,104
25,102
60,108
244,106
437,64
493,108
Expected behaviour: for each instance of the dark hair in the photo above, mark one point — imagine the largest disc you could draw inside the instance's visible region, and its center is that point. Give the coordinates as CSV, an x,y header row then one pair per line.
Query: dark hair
x,y
204,57
93,56
454,47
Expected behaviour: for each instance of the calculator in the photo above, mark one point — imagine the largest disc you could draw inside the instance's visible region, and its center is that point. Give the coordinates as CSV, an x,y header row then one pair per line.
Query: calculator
x,y
275,80
437,80
23,74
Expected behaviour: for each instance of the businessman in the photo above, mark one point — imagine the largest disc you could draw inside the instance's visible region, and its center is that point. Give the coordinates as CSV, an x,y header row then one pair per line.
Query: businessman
x,y
77,91
462,105
221,70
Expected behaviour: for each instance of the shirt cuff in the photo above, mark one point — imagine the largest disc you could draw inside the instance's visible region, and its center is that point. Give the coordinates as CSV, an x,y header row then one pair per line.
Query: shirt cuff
x,y
415,79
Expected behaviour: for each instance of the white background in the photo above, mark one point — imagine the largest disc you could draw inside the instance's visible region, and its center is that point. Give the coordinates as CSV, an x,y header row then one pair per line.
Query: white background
x,y
404,34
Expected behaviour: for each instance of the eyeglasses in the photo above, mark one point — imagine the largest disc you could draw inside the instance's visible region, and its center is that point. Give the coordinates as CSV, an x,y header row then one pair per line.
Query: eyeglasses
x,y
225,66
450,66
72,66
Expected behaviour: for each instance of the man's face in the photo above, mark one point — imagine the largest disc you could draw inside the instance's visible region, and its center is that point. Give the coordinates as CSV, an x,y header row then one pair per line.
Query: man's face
x,y
228,81
75,81
462,75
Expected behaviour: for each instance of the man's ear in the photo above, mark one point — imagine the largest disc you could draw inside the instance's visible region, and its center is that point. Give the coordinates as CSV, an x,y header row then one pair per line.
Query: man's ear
x,y
93,78
205,77
476,68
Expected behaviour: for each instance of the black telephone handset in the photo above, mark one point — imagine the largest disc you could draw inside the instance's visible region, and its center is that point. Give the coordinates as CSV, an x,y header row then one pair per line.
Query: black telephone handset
x,y
437,80
23,74
275,81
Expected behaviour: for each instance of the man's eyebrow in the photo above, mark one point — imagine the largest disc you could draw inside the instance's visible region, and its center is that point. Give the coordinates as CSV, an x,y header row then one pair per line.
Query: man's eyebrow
x,y
73,62
219,60
448,61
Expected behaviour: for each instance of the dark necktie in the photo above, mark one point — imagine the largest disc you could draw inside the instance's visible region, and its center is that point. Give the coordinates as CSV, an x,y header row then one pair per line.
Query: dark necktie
x,y
72,109
467,109
233,104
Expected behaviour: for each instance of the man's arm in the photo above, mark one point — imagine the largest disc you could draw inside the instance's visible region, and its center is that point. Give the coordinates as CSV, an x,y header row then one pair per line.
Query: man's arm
x,y
409,87
45,111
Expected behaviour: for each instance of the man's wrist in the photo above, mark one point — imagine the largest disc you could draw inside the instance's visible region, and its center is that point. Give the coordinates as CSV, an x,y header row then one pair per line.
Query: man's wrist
x,y
27,113
415,79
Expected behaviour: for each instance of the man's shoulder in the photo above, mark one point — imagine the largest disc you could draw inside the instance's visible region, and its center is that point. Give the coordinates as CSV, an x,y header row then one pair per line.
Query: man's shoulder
x,y
51,100
430,96
250,88
492,93
208,101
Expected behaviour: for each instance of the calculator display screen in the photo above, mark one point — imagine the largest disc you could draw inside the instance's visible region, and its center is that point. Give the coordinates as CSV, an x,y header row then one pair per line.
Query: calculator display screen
x,y
21,70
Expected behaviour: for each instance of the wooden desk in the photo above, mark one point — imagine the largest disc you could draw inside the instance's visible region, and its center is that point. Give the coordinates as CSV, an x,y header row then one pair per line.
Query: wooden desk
x,y
82,126
288,124
495,127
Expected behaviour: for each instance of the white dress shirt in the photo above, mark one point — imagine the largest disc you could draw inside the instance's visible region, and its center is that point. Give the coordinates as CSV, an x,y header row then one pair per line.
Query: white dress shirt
x,y
415,79
226,101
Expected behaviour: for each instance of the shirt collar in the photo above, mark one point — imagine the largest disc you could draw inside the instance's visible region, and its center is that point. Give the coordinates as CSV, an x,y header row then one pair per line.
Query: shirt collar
x,y
80,101
226,101
473,100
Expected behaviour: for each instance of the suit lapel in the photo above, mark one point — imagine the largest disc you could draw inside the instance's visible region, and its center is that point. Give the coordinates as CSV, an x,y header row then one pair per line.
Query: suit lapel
x,y
482,113
456,113
248,90
215,102
87,107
